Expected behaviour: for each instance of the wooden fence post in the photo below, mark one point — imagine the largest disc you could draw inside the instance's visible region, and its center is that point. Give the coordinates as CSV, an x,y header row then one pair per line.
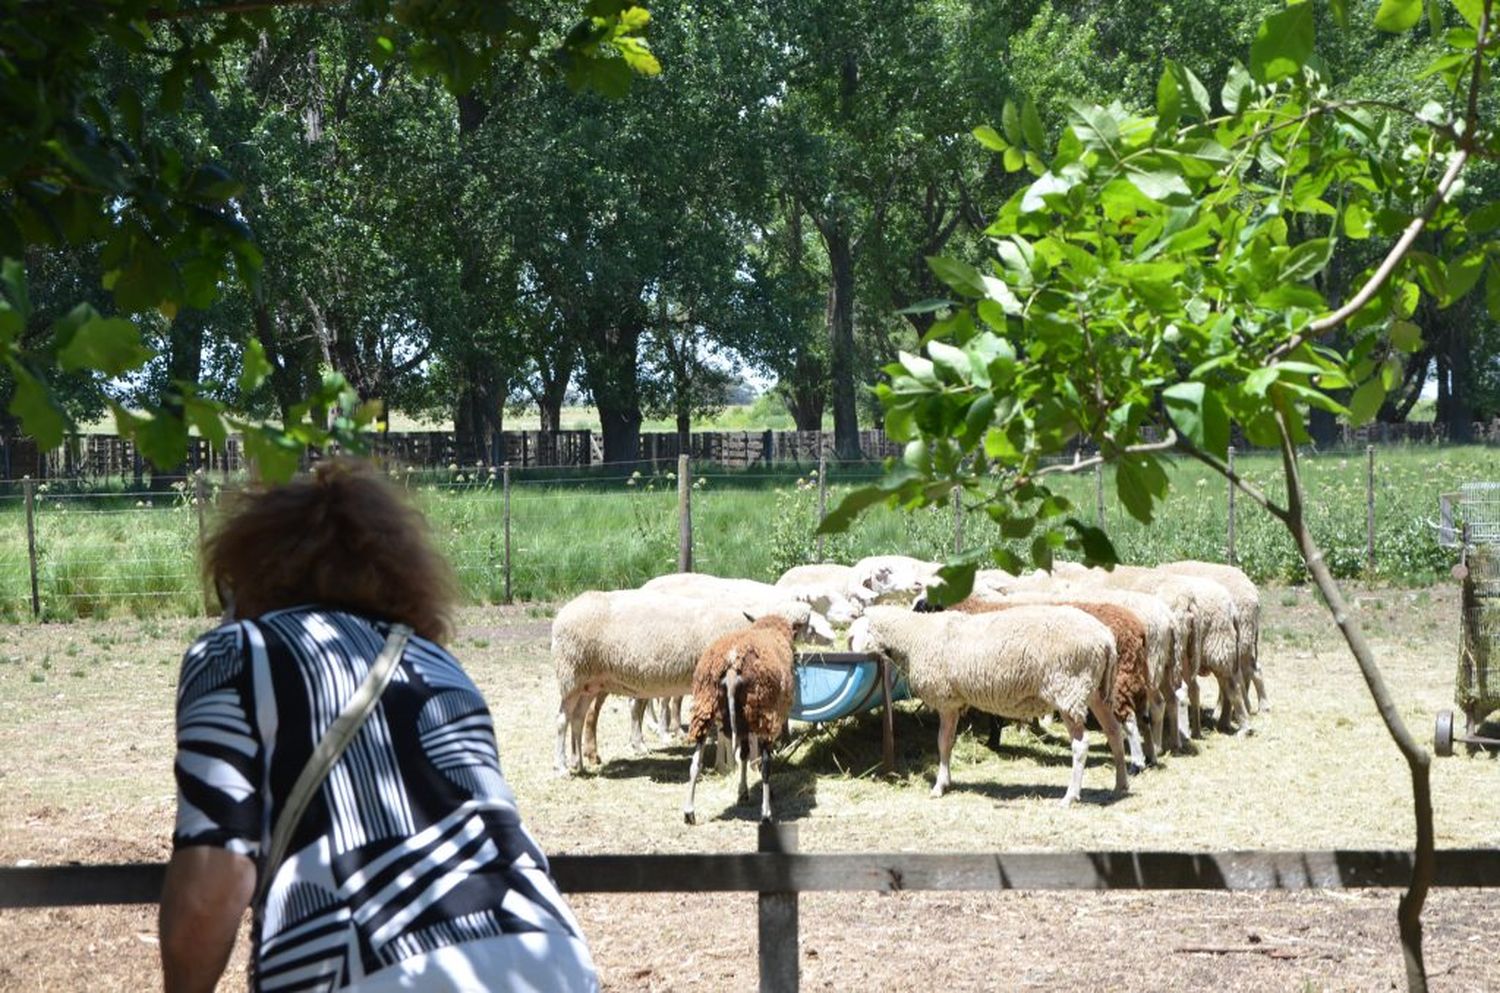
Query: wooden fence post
x,y
958,521
684,514
28,485
505,488
822,495
1099,495
1370,508
1229,527
779,957
200,499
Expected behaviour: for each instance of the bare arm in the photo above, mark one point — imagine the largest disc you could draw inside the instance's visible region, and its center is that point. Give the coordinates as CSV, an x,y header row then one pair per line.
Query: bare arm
x,y
206,893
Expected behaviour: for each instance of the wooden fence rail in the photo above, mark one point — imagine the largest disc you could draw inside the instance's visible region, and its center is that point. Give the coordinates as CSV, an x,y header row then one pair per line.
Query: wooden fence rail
x,y
777,872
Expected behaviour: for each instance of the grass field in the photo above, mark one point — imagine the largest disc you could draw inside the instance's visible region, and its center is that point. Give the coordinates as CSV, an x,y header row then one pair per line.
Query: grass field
x,y
132,555
85,759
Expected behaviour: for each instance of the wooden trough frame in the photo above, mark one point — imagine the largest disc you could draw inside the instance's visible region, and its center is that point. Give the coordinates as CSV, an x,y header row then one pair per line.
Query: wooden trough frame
x,y
777,873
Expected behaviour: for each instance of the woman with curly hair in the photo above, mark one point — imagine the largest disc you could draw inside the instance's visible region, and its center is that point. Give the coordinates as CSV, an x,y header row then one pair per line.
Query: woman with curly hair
x,y
408,868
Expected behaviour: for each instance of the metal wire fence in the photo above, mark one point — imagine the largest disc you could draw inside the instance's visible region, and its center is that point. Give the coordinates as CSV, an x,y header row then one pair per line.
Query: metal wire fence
x,y
547,534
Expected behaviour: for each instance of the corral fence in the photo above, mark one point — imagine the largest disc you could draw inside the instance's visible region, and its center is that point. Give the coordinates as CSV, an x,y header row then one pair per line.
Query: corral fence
x,y
100,457
544,533
778,873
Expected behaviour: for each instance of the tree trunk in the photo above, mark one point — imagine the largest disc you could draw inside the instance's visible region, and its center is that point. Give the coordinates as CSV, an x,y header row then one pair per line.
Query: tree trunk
x,y
841,340
184,364
610,369
478,419
1418,760
684,430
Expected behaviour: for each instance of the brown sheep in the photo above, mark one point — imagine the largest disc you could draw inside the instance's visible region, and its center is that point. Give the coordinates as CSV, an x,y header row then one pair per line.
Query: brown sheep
x,y
743,685
1133,686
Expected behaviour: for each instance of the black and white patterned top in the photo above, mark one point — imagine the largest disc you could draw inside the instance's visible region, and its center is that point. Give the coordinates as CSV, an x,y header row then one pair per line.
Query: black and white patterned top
x,y
411,863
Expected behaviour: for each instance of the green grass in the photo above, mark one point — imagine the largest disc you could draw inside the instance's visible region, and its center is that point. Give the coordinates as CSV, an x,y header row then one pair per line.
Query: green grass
x,y
114,554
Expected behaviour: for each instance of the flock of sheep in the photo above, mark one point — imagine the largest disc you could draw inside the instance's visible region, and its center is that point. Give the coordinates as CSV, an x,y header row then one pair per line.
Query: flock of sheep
x,y
1127,646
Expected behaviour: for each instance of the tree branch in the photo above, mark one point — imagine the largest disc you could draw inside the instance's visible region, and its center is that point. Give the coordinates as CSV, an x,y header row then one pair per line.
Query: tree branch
x,y
1409,915
1166,444
1398,251
1243,485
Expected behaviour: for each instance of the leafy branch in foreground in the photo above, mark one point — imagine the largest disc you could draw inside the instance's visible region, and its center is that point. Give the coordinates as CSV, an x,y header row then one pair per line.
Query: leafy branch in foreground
x,y
1161,273
86,168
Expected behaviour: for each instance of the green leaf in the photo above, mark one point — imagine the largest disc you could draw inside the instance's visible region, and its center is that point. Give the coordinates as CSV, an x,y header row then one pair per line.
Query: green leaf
x,y
1237,89
41,416
1140,482
1161,184
208,418
1307,260
1168,100
1462,276
1398,15
959,275
1096,546
1472,11
1199,415
1031,127
957,583
1406,336
1492,292
953,361
275,454
1010,120
1356,221
990,138
1365,403
1340,10
254,368
921,369
1194,93
1283,43
112,345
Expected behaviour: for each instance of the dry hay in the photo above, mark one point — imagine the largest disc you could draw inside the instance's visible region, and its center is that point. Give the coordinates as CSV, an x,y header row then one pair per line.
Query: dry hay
x,y
85,761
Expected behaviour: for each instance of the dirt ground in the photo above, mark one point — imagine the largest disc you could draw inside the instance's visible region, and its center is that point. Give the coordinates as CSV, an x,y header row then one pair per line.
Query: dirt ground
x,y
85,776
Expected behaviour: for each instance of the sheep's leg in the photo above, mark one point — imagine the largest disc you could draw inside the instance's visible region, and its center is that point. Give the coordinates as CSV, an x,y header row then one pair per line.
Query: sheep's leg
x,y
589,752
1227,703
1105,715
993,741
947,731
1241,704
688,816
743,754
637,720
564,725
765,783
1133,736
1158,717
1195,709
1080,744
721,753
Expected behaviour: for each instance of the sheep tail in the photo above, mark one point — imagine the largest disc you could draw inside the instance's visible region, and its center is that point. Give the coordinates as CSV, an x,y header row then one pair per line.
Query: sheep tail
x,y
731,692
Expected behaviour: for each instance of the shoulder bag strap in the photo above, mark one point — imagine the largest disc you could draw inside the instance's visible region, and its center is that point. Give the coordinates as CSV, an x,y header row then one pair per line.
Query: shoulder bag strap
x,y
340,733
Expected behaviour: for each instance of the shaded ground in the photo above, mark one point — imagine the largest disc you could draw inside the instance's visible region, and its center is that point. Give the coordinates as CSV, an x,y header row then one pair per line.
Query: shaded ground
x,y
85,753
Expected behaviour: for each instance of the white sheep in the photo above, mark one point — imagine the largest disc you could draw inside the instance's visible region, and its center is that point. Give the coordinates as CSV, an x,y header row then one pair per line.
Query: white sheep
x,y
893,578
1020,664
1212,647
639,644
747,594
743,685
829,589
1162,644
1246,598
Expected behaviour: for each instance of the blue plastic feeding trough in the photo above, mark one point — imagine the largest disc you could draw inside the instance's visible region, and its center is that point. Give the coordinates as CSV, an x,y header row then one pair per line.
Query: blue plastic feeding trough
x,y
830,685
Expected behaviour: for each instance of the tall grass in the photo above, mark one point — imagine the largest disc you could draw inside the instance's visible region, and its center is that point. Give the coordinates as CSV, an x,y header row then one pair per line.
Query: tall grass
x,y
134,554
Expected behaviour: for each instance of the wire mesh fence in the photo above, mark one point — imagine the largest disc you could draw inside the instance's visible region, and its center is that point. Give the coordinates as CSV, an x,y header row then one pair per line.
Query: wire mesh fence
x,y
613,526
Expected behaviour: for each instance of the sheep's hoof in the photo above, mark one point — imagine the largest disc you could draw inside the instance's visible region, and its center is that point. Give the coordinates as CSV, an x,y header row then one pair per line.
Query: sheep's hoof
x,y
744,797
1066,801
639,747
1134,769
767,819
688,817
937,791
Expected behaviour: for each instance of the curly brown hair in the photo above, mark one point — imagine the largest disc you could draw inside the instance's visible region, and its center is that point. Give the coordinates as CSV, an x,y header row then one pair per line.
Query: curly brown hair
x,y
344,537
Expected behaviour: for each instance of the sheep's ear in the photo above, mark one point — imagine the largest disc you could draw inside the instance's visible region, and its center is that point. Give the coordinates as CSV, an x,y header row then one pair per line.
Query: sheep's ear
x,y
748,616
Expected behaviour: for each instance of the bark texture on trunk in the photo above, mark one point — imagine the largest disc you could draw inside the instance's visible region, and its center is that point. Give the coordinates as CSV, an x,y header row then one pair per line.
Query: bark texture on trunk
x,y
841,341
